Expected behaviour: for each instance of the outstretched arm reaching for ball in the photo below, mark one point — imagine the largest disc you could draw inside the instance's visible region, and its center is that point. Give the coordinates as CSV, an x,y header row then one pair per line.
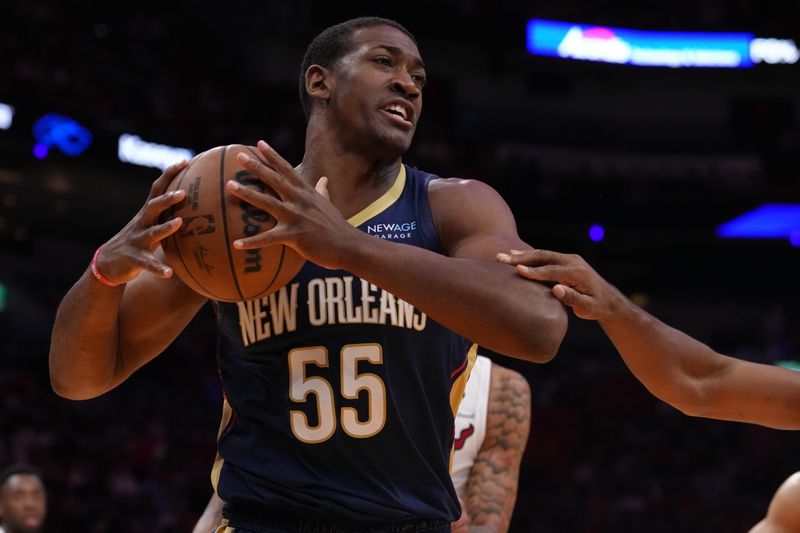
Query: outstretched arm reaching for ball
x,y
103,333
673,366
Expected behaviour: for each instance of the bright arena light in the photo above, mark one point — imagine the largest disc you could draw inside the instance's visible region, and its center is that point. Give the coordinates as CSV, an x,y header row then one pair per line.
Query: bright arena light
x,y
62,132
774,51
6,116
597,233
768,221
606,44
132,149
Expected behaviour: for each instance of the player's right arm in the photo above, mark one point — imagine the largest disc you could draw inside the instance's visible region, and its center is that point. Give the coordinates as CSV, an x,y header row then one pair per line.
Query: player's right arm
x,y
783,515
673,366
102,334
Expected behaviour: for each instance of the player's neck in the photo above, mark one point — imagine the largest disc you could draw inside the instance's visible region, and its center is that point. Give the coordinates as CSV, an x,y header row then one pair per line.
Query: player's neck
x,y
354,179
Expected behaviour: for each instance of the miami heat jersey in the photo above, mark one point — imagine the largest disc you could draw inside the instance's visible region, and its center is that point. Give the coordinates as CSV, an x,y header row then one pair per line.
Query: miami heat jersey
x,y
471,422
339,396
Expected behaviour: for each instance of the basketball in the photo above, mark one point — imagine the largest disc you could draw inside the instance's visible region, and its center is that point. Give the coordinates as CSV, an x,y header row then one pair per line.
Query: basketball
x,y
201,251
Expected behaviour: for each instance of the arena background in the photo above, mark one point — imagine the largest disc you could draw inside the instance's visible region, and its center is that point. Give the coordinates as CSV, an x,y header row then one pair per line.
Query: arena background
x,y
658,157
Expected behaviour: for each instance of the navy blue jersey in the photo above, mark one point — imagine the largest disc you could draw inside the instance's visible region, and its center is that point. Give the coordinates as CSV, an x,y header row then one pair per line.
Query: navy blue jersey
x,y
339,396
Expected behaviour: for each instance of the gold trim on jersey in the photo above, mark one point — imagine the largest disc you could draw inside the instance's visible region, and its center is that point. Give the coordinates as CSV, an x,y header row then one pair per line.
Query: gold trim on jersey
x,y
227,412
382,203
457,392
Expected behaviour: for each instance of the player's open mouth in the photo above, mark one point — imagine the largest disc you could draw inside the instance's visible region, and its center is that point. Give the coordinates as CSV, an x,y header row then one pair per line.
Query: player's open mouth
x,y
399,114
397,109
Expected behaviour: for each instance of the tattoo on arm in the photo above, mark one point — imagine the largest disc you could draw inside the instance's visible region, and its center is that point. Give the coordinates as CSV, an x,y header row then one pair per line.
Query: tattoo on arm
x,y
492,487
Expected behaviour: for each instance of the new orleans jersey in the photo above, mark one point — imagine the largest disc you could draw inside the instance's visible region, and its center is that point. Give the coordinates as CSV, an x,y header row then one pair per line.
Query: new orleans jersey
x,y
339,396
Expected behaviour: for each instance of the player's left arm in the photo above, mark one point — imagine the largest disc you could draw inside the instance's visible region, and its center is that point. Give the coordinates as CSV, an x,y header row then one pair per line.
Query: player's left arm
x,y
473,222
464,289
211,518
491,490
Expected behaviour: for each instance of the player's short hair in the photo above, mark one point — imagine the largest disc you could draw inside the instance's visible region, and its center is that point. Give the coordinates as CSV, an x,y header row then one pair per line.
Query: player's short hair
x,y
332,44
19,468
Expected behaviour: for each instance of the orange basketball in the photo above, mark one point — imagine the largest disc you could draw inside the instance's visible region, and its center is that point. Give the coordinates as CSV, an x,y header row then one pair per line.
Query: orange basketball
x,y
201,251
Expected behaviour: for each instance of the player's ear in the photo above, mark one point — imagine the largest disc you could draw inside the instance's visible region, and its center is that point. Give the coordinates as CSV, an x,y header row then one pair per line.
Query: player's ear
x,y
318,80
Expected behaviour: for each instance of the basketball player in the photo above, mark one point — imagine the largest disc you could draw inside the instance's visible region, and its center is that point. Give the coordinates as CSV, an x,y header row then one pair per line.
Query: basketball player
x,y
492,428
23,501
676,368
339,414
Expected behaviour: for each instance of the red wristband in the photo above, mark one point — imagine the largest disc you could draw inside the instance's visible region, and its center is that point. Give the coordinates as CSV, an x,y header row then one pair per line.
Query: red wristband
x,y
101,278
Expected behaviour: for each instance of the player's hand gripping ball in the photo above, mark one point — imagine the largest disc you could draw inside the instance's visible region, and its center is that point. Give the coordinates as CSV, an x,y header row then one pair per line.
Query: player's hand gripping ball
x,y
201,251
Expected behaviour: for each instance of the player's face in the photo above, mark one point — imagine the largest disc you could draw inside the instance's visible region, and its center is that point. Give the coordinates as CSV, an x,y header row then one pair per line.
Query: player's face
x,y
377,93
23,503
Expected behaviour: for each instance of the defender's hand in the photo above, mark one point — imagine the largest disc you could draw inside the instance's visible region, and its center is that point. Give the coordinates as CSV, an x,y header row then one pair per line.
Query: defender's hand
x,y
576,283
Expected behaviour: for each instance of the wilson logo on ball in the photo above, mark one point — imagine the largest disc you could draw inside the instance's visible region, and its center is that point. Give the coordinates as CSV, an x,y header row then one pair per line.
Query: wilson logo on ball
x,y
201,253
253,218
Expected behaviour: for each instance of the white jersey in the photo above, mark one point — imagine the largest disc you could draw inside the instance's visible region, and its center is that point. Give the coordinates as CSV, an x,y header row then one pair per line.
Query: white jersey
x,y
471,422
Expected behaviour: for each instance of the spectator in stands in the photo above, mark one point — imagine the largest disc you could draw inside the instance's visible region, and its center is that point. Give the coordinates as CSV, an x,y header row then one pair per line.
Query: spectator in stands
x,y
23,501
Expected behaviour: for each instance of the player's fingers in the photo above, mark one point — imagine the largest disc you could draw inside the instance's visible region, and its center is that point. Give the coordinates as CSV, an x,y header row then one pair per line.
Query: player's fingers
x,y
158,204
555,273
532,257
159,232
157,209
265,238
322,188
539,256
161,183
263,171
571,297
276,161
265,202
257,155
127,266
150,262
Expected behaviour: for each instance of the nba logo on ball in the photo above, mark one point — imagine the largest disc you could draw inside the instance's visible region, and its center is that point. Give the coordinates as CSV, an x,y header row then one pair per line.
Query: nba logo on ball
x,y
197,225
201,254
